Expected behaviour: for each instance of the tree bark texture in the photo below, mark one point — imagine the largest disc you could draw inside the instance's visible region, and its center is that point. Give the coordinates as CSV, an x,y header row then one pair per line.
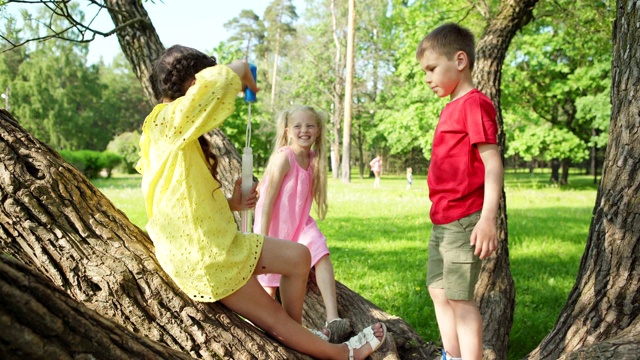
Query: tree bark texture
x,y
604,304
54,220
229,162
495,291
40,321
623,346
141,46
138,39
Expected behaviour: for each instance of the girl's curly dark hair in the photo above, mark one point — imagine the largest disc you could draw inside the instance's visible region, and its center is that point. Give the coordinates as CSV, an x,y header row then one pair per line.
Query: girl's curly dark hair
x,y
176,67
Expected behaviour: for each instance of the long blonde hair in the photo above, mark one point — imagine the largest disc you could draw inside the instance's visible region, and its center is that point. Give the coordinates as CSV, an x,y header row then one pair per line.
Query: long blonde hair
x,y
319,162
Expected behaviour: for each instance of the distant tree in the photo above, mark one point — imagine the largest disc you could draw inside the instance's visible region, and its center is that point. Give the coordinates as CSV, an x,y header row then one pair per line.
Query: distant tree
x,y
55,94
246,28
279,16
348,93
127,145
559,86
10,61
122,101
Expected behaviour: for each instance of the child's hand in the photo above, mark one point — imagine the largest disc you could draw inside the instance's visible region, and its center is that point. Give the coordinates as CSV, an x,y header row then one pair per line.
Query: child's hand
x,y
485,237
237,203
243,71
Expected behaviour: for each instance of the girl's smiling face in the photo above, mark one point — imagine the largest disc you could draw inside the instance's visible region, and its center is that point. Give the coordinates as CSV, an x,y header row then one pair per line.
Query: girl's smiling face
x,y
303,129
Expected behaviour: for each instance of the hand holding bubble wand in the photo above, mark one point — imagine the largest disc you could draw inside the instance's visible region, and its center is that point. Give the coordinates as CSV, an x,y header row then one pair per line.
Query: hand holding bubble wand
x,y
247,158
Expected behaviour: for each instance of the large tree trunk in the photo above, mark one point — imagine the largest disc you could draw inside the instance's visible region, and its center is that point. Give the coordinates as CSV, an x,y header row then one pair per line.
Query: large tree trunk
x,y
603,308
495,291
54,220
40,321
141,46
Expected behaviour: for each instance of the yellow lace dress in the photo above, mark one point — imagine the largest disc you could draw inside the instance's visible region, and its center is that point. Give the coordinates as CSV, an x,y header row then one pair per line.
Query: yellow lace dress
x,y
196,239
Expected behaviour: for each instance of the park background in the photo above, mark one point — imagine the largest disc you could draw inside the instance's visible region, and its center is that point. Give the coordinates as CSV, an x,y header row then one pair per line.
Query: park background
x,y
555,102
378,241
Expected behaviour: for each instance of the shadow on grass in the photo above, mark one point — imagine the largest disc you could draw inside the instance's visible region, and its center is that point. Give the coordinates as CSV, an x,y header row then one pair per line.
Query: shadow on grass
x,y
546,226
542,285
543,180
546,249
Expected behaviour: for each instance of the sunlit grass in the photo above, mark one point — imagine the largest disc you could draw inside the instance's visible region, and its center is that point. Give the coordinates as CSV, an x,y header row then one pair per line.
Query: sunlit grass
x,y
124,191
378,241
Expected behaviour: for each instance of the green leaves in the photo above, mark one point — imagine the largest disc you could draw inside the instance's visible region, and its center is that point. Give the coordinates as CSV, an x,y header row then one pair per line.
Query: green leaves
x,y
556,81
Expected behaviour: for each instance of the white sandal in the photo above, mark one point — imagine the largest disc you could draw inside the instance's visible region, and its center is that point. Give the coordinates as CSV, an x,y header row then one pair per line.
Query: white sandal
x,y
366,336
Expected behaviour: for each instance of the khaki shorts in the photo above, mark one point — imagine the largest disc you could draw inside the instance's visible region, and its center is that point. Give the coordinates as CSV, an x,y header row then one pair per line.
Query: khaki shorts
x,y
452,266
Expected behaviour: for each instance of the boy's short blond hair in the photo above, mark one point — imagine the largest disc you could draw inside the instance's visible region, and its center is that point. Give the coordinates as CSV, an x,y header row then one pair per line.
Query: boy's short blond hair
x,y
448,39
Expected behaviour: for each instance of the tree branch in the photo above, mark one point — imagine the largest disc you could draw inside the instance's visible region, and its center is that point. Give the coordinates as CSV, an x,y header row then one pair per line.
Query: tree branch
x,y
61,9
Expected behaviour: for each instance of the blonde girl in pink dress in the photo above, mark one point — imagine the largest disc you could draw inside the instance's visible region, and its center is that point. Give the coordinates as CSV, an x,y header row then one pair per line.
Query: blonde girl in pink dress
x,y
296,176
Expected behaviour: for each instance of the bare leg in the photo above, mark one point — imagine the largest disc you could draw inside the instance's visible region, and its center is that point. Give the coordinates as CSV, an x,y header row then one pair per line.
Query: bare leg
x,y
327,285
446,321
376,182
469,327
253,303
292,261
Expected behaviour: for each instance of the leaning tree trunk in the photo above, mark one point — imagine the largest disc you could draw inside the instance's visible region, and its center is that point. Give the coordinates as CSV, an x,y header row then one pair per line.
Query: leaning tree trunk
x,y
495,291
603,308
54,220
40,321
141,46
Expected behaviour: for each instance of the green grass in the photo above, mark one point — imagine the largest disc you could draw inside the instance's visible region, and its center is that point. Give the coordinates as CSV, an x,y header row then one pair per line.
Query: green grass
x,y
124,191
378,242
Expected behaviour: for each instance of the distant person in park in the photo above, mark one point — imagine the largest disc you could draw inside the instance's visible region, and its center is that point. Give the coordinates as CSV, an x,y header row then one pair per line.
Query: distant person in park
x,y
465,183
296,177
190,220
409,177
376,167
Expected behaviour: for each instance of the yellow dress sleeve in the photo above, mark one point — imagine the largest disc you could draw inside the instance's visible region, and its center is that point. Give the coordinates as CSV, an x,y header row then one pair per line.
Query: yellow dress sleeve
x,y
205,105
203,108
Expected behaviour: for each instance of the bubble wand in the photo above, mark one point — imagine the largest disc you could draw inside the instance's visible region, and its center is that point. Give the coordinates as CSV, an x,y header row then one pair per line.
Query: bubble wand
x,y
247,157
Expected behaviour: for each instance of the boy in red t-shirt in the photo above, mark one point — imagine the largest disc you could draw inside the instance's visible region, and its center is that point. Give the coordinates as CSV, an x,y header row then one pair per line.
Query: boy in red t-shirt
x,y
465,184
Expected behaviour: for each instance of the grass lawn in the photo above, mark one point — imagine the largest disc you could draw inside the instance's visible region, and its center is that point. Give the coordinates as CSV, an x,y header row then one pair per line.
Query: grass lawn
x,y
378,241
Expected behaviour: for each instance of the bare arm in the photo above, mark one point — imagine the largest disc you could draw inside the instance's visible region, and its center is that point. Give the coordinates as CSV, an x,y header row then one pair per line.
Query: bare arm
x,y
277,170
244,73
485,233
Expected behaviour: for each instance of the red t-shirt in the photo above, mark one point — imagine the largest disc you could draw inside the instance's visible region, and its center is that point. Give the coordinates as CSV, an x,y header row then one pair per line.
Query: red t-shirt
x,y
456,172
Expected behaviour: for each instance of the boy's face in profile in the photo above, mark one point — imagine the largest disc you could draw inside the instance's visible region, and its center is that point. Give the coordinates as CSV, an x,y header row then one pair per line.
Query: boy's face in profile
x,y
442,74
